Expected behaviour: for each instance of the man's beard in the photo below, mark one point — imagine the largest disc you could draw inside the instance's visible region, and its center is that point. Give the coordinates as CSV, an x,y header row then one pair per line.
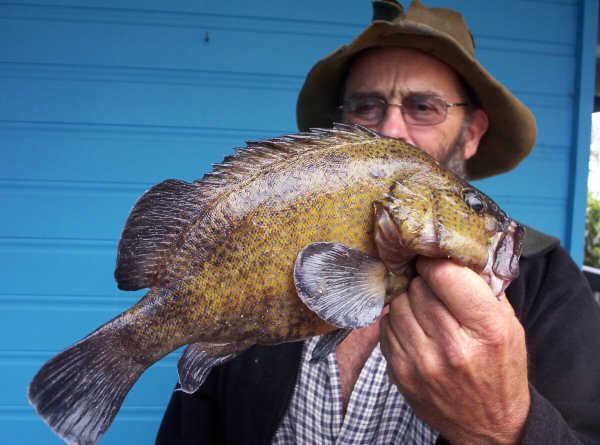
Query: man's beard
x,y
454,158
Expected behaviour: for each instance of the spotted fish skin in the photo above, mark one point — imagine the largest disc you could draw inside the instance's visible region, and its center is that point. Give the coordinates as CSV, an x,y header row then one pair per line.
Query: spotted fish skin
x,y
219,255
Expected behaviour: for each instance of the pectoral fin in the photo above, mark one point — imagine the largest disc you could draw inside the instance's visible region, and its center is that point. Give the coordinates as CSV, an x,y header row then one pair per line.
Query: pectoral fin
x,y
344,286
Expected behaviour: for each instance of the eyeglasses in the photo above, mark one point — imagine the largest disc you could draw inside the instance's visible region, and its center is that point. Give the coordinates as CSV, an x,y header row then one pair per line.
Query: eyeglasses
x,y
417,109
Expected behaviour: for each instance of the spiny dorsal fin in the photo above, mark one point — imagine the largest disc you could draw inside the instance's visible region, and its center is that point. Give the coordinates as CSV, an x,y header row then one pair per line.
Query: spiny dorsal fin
x,y
258,155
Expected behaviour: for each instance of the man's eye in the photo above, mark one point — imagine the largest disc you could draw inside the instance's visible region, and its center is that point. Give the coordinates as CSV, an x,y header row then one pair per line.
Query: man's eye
x,y
423,107
365,107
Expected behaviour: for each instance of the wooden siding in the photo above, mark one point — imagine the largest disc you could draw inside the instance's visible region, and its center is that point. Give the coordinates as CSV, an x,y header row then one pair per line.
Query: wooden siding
x,y
100,99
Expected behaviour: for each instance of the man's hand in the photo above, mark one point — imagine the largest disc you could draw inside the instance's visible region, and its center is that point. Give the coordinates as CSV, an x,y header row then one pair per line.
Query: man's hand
x,y
458,355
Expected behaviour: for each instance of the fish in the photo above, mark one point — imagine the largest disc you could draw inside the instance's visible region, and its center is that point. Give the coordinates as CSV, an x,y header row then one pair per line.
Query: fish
x,y
303,235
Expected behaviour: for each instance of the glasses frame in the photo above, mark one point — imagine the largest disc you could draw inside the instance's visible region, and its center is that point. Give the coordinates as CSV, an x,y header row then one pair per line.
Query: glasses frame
x,y
386,105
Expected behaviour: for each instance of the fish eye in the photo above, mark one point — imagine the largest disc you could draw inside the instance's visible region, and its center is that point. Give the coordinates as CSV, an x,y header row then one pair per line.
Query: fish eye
x,y
474,199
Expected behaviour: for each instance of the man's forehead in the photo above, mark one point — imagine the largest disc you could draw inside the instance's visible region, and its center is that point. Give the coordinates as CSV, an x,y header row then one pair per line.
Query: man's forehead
x,y
404,92
397,71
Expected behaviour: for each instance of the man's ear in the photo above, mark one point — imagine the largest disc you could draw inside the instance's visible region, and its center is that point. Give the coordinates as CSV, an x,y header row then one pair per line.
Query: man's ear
x,y
477,127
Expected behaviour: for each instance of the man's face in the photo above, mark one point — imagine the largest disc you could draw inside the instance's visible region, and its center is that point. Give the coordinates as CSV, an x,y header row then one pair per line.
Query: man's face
x,y
394,73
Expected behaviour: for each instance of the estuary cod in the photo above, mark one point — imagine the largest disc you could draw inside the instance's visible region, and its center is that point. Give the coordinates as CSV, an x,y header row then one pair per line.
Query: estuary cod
x,y
302,235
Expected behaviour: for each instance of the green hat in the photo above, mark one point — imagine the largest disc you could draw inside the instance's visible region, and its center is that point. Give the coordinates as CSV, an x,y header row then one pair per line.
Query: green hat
x,y
444,34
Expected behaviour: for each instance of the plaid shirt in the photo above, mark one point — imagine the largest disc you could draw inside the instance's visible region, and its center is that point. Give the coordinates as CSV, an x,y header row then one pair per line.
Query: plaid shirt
x,y
376,413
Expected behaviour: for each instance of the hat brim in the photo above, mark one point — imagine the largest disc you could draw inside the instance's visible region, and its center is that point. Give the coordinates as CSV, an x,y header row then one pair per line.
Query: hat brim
x,y
512,131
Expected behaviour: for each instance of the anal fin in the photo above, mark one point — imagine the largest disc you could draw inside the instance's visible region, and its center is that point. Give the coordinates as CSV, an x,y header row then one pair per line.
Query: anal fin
x,y
198,359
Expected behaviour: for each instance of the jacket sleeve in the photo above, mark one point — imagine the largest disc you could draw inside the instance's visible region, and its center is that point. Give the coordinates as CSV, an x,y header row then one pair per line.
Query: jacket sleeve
x,y
562,323
241,402
192,419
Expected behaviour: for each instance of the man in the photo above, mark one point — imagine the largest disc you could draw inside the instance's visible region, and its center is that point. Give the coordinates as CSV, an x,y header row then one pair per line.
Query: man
x,y
464,367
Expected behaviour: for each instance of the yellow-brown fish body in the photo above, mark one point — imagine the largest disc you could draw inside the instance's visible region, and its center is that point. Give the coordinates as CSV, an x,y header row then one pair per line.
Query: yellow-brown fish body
x,y
232,266
222,259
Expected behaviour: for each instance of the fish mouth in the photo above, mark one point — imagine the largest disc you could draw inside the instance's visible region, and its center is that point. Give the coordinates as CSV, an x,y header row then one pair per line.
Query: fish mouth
x,y
503,262
399,254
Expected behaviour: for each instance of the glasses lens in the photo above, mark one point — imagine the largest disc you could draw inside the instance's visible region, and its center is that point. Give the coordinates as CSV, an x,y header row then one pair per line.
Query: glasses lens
x,y
365,110
421,109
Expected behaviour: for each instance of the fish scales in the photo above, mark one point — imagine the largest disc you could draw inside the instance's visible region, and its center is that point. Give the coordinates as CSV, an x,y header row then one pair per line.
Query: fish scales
x,y
263,268
287,239
328,203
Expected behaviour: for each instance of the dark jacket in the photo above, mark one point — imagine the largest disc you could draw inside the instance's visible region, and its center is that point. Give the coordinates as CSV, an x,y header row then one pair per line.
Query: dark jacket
x,y
243,401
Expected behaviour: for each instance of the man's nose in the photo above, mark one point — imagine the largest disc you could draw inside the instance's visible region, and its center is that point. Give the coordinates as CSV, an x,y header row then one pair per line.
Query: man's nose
x,y
393,124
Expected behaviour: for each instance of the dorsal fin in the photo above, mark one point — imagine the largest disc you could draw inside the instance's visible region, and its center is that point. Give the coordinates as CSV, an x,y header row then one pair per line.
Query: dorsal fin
x,y
258,155
155,221
166,211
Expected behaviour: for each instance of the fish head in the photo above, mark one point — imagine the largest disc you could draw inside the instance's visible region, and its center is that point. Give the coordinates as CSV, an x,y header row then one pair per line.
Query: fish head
x,y
447,218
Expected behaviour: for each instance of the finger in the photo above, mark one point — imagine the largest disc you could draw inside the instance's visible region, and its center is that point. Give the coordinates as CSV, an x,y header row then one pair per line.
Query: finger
x,y
401,337
430,312
400,364
404,325
392,350
391,375
466,295
505,304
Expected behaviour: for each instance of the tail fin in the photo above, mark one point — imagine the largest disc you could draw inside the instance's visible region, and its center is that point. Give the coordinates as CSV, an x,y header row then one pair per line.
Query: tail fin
x,y
79,392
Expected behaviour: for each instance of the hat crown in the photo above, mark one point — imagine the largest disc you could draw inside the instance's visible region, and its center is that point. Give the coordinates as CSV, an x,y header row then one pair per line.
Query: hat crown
x,y
388,10
444,34
447,21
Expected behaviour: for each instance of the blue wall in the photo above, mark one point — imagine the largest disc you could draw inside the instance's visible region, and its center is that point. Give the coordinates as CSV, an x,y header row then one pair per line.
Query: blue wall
x,y
99,99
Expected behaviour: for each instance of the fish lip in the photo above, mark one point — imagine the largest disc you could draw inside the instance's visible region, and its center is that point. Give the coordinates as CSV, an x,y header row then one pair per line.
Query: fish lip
x,y
505,257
